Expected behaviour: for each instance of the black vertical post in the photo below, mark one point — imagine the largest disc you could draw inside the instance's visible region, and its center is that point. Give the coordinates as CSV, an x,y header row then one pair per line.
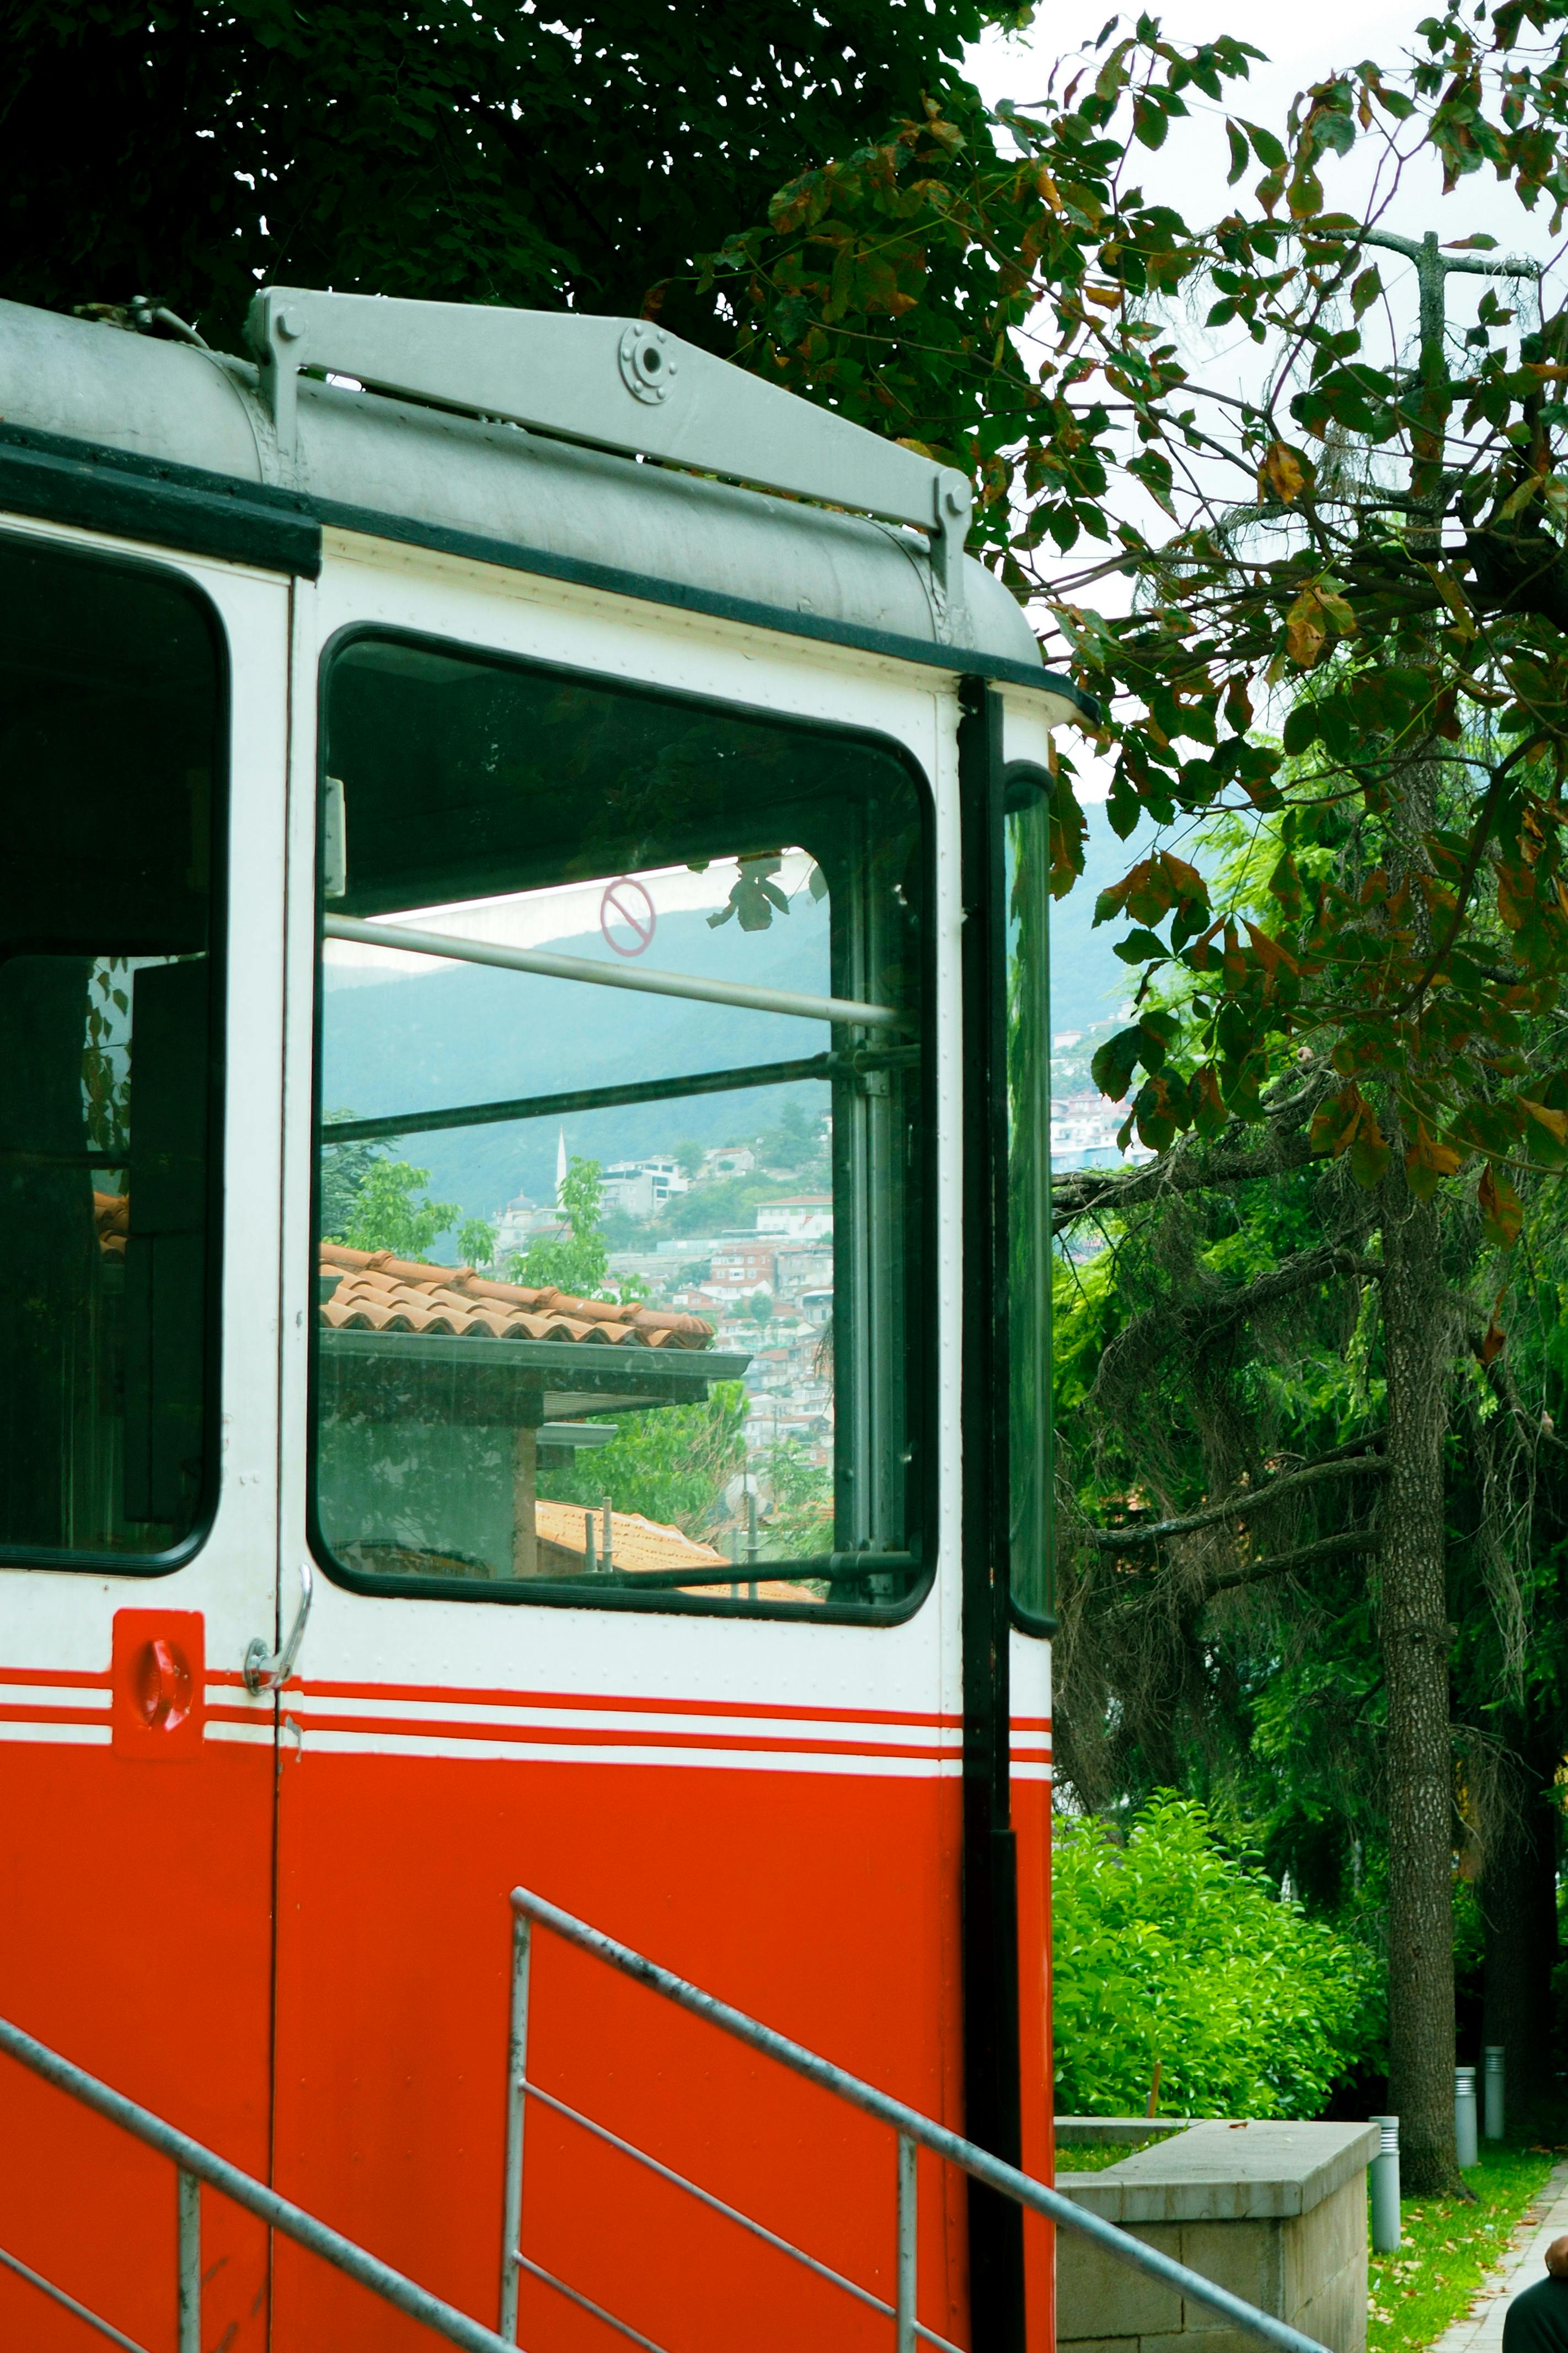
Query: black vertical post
x,y
989,1871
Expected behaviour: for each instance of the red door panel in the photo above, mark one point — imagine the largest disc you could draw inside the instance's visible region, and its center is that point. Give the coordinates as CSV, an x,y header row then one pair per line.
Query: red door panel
x,y
135,1936
822,1902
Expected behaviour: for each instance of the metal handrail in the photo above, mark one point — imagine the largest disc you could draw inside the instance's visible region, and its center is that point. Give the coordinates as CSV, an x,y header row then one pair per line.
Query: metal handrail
x,y
196,2165
553,965
914,2130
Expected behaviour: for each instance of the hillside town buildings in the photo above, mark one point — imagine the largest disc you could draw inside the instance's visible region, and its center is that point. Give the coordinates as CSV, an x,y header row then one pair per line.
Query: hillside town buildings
x,y
767,1286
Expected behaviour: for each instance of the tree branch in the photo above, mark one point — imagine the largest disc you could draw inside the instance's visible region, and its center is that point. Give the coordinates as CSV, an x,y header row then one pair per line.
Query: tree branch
x,y
1250,1500
1297,1273
1279,1564
1189,1166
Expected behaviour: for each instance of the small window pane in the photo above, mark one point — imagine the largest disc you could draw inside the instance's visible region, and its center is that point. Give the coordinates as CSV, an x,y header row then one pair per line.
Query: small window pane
x,y
618,1287
110,698
1029,1198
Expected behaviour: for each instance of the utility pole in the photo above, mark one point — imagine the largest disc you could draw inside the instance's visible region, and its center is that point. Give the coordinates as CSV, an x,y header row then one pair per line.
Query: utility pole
x,y
1434,268
1420,1344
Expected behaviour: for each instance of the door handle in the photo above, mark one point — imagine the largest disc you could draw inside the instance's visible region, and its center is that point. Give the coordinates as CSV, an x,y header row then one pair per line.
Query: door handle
x,y
267,1669
158,1681
165,1692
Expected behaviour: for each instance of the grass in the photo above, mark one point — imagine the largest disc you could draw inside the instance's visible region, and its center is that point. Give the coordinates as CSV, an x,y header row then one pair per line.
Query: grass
x,y
1449,2248
1092,2156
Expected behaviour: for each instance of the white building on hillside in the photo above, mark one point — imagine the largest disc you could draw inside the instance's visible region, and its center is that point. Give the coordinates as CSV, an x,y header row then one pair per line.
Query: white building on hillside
x,y
799,1218
639,1189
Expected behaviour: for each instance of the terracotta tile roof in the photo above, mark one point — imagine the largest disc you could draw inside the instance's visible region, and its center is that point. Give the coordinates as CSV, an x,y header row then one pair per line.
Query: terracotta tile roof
x,y
112,1215
635,1543
638,1544
378,1292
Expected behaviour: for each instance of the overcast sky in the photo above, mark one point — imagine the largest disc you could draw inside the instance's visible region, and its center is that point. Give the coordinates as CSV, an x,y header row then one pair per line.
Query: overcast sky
x,y
1305,43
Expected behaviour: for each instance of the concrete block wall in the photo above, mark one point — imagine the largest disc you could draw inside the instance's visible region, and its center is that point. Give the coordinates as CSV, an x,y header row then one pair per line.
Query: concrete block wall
x,y
1276,2212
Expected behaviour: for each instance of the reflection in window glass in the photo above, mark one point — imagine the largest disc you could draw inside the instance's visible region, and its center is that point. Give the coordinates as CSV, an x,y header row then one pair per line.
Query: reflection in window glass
x,y
109,697
1029,1198
618,1290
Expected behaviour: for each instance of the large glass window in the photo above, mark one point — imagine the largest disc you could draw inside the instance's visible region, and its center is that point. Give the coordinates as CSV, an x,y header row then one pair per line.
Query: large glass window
x,y
111,698
1028,821
621,1160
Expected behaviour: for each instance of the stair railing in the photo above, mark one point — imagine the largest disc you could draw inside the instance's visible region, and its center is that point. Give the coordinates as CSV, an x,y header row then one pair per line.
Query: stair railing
x,y
195,2165
912,2130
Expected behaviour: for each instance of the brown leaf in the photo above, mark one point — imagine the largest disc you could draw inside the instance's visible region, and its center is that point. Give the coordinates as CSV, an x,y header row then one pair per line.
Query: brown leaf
x,y
1502,1211
1238,706
1269,953
1516,501
1281,472
1515,891
1369,1150
1428,1162
1186,880
1555,1122
1108,296
1493,1340
1210,1112
1306,627
1334,1122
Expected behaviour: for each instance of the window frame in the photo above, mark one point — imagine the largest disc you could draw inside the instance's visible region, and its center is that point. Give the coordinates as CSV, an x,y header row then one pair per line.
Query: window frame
x,y
80,1561
1031,776
924,1317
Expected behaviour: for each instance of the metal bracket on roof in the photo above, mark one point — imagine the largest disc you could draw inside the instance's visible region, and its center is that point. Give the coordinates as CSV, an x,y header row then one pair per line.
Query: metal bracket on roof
x,y
952,503
625,384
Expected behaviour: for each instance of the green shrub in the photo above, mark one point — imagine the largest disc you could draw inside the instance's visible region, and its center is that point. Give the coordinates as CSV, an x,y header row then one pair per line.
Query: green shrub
x,y
1169,1949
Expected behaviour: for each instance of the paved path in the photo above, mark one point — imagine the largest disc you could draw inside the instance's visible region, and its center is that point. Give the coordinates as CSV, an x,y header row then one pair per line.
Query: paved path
x,y
1546,2218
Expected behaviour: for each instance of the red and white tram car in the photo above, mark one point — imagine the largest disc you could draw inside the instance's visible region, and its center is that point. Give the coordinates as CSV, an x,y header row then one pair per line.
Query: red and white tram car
x,y
450,744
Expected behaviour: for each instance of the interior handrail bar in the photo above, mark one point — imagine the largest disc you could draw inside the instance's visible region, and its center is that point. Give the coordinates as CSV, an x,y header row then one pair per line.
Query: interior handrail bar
x,y
196,2164
855,1065
914,2130
552,966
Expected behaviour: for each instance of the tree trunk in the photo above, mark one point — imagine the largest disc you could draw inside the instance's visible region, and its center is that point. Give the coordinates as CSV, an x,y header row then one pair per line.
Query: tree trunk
x,y
1519,1913
1416,1639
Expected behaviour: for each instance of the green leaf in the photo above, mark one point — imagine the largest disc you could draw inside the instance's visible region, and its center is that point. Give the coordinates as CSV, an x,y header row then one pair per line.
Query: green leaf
x,y
1305,196
1285,885
1237,154
1365,290
1114,1063
1301,729
1266,147
1140,947
1149,122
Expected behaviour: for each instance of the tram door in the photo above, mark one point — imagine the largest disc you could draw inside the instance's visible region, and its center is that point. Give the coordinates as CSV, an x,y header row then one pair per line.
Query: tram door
x,y
628,1576
142,725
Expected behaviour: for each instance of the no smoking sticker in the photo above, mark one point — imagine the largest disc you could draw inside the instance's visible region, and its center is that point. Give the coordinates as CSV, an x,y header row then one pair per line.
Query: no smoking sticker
x,y
626,917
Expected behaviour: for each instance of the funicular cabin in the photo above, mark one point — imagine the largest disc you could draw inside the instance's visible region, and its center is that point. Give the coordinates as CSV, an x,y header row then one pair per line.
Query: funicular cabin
x,y
350,694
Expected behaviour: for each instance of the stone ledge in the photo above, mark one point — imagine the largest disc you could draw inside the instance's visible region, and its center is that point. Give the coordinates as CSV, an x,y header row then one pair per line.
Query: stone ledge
x,y
1219,2173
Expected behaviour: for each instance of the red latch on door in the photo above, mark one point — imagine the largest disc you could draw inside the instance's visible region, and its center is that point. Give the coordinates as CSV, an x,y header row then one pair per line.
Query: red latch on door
x,y
159,1683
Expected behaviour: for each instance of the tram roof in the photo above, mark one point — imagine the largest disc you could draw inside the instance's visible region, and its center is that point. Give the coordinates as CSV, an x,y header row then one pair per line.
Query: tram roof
x,y
160,440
